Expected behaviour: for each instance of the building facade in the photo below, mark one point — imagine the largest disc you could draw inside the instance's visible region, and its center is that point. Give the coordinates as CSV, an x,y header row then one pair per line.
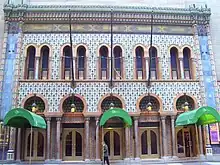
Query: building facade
x,y
38,69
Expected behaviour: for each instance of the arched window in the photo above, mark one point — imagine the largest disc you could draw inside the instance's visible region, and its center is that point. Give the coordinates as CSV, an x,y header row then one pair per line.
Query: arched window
x,y
67,63
153,63
104,62
40,105
81,63
140,63
186,63
67,104
30,63
174,63
106,103
118,63
44,63
180,103
149,99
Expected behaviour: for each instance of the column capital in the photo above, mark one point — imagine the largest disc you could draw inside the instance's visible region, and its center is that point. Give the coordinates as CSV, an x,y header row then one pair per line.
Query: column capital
x,y
96,118
58,119
173,117
87,118
48,118
136,118
162,117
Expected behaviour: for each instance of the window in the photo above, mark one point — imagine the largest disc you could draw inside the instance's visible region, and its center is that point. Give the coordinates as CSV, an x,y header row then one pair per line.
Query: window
x,y
174,63
44,63
153,63
186,63
81,63
30,63
140,63
118,63
67,63
104,63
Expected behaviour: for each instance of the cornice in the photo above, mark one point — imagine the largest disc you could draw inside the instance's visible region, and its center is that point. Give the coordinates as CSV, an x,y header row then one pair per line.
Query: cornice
x,y
101,14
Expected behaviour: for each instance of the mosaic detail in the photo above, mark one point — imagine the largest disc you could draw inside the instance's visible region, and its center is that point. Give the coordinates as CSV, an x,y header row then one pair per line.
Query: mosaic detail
x,y
93,41
93,92
99,28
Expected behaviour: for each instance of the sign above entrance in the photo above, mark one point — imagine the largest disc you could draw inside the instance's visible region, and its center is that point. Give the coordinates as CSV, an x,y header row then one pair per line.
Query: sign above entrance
x,y
116,112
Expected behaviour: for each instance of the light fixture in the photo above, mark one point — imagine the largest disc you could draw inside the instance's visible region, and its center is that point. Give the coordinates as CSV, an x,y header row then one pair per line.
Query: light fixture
x,y
186,104
73,108
149,106
34,107
112,105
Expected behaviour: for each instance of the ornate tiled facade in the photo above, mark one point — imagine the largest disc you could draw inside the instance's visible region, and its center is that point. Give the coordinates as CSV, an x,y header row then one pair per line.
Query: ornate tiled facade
x,y
35,27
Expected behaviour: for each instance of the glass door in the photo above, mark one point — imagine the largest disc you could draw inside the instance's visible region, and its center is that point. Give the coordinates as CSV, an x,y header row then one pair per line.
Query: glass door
x,y
149,138
73,144
113,138
38,144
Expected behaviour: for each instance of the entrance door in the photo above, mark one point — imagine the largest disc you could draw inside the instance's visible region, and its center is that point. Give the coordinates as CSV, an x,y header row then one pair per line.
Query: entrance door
x,y
38,144
113,138
73,144
149,138
184,142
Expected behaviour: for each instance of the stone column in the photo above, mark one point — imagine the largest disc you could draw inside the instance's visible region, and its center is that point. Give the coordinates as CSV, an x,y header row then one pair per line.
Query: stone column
x,y
173,136
127,143
147,65
200,141
193,73
97,157
58,138
87,139
10,153
36,74
18,149
163,119
48,139
136,131
181,67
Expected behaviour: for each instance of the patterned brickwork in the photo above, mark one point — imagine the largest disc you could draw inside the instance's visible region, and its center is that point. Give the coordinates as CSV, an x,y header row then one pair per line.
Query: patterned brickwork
x,y
93,92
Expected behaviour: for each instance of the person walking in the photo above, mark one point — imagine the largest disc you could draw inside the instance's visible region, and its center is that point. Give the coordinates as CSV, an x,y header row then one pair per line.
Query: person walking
x,y
105,153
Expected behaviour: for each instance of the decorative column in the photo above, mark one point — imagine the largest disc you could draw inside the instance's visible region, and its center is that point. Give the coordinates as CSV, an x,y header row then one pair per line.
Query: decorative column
x,y
36,74
10,153
200,141
97,157
127,143
136,132
147,66
193,60
173,136
87,138
18,149
181,65
58,138
163,119
48,139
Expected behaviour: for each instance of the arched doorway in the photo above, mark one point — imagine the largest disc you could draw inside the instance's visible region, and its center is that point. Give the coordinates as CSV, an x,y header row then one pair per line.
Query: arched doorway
x,y
149,130
113,121
185,143
38,136
72,129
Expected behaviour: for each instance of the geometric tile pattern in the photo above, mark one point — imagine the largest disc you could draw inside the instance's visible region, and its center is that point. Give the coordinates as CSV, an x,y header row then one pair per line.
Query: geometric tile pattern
x,y
92,92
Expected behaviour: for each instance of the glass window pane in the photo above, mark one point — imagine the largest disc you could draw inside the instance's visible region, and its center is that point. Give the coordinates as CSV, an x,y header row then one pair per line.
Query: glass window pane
x,y
68,151
78,144
144,149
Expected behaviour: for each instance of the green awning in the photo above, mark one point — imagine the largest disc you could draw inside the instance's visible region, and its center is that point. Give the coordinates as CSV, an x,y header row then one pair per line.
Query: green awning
x,y
21,118
116,112
201,116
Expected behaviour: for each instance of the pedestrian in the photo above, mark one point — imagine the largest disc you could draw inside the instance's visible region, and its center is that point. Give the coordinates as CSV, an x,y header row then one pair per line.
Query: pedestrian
x,y
105,153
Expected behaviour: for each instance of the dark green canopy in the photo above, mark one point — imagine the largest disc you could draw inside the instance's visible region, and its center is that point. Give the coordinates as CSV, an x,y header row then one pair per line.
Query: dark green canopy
x,y
20,118
116,112
201,116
